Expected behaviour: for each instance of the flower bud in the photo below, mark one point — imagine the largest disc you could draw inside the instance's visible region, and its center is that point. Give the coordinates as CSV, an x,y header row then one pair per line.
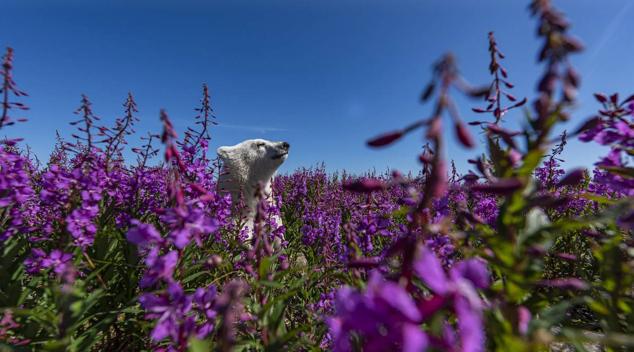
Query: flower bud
x,y
463,135
500,187
385,139
572,178
366,185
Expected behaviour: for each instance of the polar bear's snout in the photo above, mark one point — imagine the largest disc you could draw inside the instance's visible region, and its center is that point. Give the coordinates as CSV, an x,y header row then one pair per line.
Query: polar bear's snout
x,y
282,150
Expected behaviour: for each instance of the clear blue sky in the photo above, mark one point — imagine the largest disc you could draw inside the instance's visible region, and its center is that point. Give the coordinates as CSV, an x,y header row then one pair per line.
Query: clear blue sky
x,y
324,75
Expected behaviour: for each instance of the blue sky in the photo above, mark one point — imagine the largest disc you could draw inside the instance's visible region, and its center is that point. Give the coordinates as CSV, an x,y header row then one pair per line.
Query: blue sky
x,y
323,75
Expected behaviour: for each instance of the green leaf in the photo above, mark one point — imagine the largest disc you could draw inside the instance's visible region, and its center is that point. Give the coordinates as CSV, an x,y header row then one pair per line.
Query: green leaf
x,y
194,276
265,265
196,345
271,284
531,160
56,345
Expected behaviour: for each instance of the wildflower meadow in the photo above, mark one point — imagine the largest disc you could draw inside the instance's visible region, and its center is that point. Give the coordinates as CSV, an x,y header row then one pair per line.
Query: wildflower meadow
x,y
101,253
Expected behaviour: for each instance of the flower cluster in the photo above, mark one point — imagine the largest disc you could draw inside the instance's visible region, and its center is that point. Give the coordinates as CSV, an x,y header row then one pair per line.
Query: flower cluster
x,y
613,127
387,317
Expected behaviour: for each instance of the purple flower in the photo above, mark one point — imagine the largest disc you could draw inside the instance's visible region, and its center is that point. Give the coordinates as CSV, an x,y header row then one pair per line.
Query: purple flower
x,y
473,270
524,317
178,315
205,303
486,208
15,191
443,247
9,328
143,235
170,309
80,225
614,129
57,260
159,267
459,287
33,264
189,222
385,315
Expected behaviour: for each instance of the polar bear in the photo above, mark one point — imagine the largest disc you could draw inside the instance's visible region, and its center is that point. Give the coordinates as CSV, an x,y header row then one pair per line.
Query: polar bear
x,y
245,165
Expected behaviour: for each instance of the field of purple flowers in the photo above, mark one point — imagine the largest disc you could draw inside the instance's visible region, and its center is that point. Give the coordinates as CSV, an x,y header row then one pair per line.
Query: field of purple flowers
x,y
102,253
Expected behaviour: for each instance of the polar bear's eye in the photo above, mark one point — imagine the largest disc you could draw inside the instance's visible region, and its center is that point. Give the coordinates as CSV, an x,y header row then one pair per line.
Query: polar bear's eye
x,y
260,145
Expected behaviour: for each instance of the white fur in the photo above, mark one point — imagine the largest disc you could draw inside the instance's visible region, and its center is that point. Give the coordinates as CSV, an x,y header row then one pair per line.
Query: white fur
x,y
244,166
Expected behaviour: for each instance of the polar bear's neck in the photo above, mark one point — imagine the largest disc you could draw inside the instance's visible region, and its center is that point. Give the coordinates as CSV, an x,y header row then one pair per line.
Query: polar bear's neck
x,y
242,181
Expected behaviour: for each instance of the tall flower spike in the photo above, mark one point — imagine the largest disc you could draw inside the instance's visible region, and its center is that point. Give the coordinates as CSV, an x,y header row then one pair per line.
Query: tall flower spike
x,y
558,44
9,87
115,137
173,159
205,118
147,151
498,87
85,125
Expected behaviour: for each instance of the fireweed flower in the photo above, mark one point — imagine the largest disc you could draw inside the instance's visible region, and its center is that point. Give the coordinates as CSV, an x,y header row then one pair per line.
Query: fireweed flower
x,y
7,328
171,310
159,267
189,222
458,287
56,187
80,225
89,180
614,128
486,208
549,173
618,185
33,264
57,260
205,303
320,224
385,315
14,179
143,235
15,190
443,248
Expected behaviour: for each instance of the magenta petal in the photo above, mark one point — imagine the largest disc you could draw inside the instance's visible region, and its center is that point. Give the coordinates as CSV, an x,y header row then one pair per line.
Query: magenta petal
x,y
340,337
414,339
429,269
471,329
181,238
395,296
143,234
524,317
161,330
169,261
474,270
448,335
428,307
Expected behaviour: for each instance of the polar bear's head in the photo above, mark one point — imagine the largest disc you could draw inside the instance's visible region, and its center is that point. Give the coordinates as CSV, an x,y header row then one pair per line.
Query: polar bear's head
x,y
254,160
